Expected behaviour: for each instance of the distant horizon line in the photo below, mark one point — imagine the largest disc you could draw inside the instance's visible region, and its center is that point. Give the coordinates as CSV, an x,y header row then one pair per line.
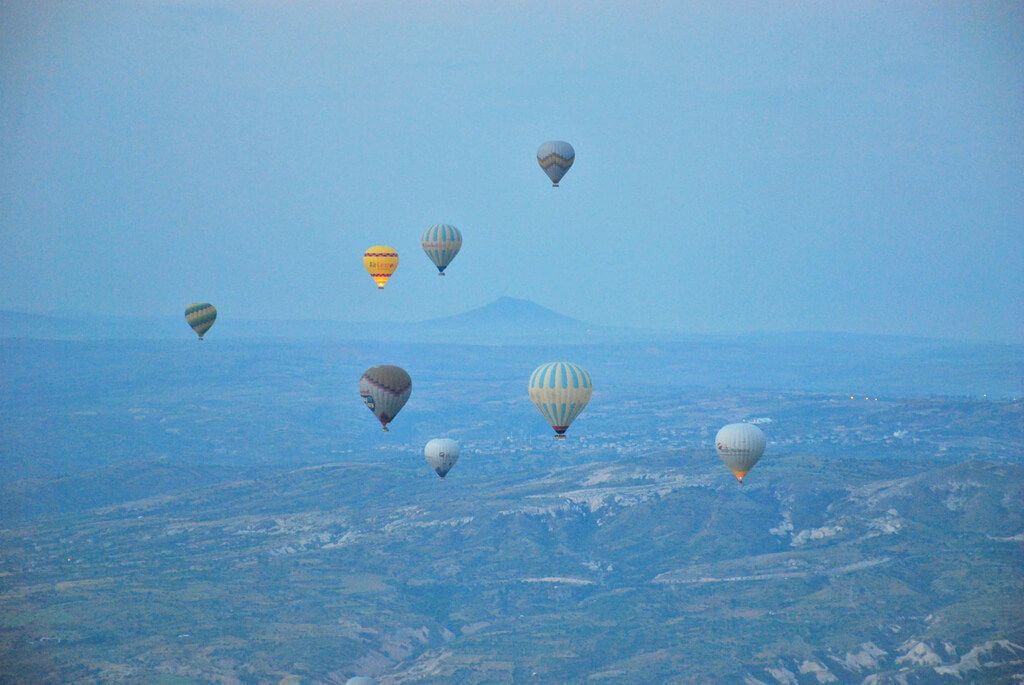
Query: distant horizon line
x,y
79,315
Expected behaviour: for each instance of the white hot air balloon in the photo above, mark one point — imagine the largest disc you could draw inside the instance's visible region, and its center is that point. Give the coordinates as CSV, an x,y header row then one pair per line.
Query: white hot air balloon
x,y
739,446
360,680
441,454
560,391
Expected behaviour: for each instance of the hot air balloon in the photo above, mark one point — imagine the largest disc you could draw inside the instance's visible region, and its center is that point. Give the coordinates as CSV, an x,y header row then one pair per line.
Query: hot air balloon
x,y
380,261
441,454
385,390
200,316
555,157
739,447
361,680
560,390
441,242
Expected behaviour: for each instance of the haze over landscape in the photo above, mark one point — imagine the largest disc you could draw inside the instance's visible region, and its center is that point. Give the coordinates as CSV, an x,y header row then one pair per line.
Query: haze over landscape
x,y
810,167
802,218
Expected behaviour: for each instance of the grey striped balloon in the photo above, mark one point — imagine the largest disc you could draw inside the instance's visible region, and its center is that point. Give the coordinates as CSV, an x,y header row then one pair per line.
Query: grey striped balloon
x,y
555,158
385,389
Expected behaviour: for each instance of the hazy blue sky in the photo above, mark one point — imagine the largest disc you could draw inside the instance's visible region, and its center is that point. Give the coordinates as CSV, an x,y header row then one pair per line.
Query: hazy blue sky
x,y
739,167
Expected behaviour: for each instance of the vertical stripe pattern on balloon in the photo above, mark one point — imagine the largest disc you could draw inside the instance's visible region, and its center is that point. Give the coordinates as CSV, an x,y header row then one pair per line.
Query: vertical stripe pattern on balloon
x,y
441,242
560,391
385,389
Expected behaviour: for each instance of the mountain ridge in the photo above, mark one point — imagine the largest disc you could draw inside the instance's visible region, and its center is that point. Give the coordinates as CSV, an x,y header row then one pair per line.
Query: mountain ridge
x,y
504,320
506,308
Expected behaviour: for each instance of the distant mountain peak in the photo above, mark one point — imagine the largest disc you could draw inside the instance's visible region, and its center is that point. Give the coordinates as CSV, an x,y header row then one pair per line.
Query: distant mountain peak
x,y
506,311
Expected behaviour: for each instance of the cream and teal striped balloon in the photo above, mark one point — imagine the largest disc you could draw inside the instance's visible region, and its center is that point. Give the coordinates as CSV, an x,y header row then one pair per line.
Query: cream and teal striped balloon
x,y
200,316
560,390
555,158
441,242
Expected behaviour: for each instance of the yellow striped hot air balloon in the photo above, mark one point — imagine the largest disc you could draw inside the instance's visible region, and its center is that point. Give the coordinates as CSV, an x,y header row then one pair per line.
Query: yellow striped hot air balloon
x,y
380,261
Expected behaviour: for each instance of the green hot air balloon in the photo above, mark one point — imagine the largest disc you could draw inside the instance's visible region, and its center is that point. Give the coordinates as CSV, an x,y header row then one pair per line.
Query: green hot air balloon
x,y
385,390
200,316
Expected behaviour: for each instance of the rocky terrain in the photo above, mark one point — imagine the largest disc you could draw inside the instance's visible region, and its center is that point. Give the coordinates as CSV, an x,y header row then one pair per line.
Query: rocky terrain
x,y
229,512
653,568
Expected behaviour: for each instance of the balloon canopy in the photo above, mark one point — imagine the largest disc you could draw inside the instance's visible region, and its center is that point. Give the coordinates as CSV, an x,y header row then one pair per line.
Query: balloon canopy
x,y
560,391
200,316
555,158
441,454
441,242
380,262
740,446
385,390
